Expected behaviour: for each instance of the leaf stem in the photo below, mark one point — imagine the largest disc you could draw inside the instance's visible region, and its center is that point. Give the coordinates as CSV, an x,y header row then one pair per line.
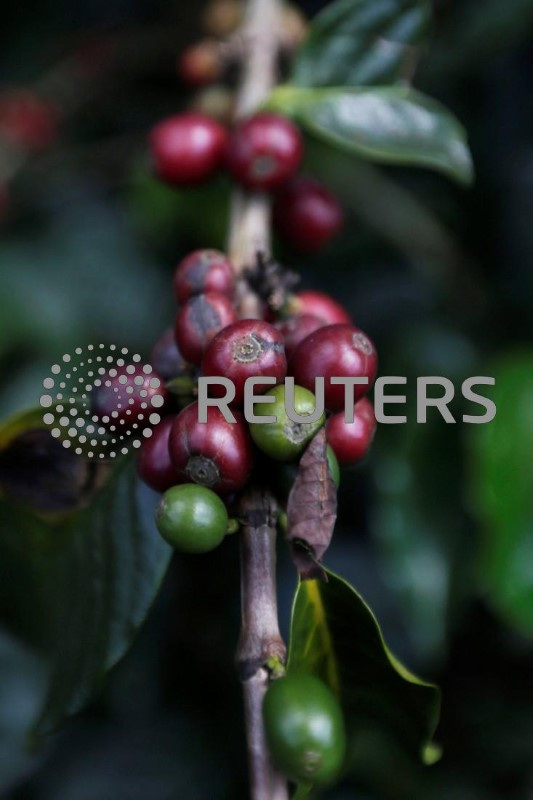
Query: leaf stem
x,y
260,643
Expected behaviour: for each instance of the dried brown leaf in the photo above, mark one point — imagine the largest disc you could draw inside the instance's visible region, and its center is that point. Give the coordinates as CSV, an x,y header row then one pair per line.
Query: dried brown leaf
x,y
312,509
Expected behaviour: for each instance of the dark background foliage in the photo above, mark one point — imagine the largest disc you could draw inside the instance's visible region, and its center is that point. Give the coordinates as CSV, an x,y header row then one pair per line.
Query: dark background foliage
x,y
435,529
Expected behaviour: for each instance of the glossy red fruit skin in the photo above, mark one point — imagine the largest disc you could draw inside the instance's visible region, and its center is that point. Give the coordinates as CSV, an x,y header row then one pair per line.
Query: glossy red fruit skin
x,y
350,441
264,151
187,148
122,407
248,348
307,214
320,305
296,328
203,271
216,454
339,351
166,358
199,320
153,462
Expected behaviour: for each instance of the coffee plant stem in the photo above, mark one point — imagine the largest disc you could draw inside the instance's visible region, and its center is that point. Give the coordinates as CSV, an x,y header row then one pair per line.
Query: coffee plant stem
x,y
260,644
250,222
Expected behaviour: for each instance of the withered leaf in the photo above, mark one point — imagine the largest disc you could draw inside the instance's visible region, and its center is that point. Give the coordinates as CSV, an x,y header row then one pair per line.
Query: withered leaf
x,y
38,472
312,509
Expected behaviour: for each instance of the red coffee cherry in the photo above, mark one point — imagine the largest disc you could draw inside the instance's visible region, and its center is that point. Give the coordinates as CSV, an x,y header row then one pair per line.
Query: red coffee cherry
x,y
187,148
216,454
166,359
26,121
203,271
200,319
264,151
200,63
320,305
296,328
336,351
307,214
248,348
350,441
126,394
153,463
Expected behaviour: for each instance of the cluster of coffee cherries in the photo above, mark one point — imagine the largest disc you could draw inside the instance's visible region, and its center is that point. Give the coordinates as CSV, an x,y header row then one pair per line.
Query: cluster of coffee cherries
x,y
262,154
201,466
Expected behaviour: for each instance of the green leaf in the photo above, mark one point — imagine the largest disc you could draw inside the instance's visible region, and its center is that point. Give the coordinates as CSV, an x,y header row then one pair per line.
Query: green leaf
x,y
81,587
501,479
357,42
335,636
394,125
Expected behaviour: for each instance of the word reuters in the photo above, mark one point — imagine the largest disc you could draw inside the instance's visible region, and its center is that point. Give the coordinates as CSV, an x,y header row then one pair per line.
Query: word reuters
x,y
382,398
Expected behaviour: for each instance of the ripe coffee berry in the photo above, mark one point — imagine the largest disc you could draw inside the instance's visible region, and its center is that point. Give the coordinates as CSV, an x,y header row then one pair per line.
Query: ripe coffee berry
x,y
248,348
320,305
187,148
191,518
153,463
350,440
200,319
216,454
126,395
264,151
307,214
203,271
166,359
200,63
336,351
296,328
26,121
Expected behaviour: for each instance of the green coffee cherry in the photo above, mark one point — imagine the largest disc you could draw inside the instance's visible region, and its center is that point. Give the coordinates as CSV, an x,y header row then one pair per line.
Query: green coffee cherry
x,y
304,728
284,439
191,518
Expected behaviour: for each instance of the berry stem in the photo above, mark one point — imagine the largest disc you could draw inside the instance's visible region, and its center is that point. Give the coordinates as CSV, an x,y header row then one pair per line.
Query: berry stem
x,y
260,642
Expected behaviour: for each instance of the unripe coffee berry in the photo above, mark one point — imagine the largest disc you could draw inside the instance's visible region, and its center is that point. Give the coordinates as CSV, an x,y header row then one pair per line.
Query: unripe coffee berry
x,y
187,148
216,454
127,395
336,351
203,271
296,328
264,151
320,305
248,348
304,729
351,440
191,518
285,439
153,463
200,319
307,214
